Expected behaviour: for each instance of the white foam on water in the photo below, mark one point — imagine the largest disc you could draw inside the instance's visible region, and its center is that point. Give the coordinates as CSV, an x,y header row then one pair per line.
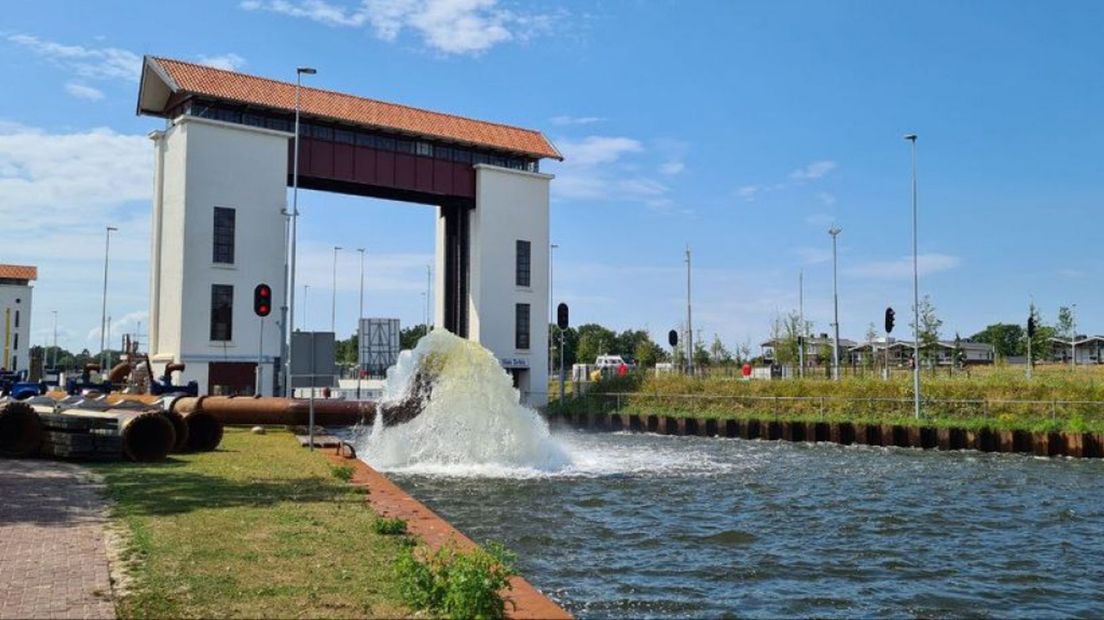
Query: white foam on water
x,y
472,422
473,425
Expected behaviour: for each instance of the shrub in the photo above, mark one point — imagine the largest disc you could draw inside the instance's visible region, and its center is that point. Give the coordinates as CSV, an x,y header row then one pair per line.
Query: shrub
x,y
343,473
456,584
389,527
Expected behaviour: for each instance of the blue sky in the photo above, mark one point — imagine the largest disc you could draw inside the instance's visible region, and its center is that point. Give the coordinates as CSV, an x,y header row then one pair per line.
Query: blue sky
x,y
744,129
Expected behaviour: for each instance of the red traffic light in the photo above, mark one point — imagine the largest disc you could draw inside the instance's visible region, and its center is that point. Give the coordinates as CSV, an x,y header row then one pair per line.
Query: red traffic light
x,y
262,300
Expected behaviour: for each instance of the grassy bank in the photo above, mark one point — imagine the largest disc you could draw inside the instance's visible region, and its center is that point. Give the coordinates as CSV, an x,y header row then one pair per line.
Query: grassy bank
x,y
999,398
259,528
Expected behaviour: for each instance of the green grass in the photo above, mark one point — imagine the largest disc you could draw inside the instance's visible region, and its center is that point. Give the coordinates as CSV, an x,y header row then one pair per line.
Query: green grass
x,y
984,398
258,528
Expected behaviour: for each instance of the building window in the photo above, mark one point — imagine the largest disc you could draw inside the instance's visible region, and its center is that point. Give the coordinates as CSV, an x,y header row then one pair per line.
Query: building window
x,y
521,266
222,312
224,236
521,326
17,319
424,148
15,342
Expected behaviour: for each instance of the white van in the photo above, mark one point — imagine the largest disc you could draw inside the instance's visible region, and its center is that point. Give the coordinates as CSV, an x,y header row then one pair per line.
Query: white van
x,y
612,361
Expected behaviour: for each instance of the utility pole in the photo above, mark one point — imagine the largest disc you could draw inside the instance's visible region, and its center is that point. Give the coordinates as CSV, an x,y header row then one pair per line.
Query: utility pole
x,y
103,307
333,302
429,289
293,234
54,363
1073,337
835,231
689,319
360,325
801,327
915,289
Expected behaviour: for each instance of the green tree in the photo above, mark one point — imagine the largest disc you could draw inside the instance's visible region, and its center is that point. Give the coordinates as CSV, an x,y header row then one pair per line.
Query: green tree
x,y
594,340
647,353
409,336
1008,340
346,351
718,352
930,325
701,355
1064,327
784,337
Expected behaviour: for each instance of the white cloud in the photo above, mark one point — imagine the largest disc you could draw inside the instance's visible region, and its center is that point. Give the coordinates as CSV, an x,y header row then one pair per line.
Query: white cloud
x,y
575,120
820,219
69,179
81,91
671,168
461,27
105,63
927,264
229,61
594,150
748,193
813,171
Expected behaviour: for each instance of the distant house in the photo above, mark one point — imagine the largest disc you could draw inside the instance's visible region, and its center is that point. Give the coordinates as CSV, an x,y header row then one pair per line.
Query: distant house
x,y
15,316
900,352
818,348
1090,349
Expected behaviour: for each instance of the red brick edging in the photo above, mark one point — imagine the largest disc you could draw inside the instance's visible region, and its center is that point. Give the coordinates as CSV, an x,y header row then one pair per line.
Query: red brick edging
x,y
523,601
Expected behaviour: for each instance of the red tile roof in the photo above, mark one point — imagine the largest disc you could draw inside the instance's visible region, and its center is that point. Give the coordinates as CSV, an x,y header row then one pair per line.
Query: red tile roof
x,y
253,90
18,272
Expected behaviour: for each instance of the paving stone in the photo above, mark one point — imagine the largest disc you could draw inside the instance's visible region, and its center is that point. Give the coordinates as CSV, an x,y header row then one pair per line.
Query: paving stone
x,y
53,562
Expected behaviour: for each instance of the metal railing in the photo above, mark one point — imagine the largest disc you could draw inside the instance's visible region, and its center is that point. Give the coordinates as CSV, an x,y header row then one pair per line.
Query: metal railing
x,y
1010,411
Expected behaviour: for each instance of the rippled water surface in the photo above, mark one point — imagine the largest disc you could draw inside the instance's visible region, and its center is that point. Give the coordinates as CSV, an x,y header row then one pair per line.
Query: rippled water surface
x,y
652,526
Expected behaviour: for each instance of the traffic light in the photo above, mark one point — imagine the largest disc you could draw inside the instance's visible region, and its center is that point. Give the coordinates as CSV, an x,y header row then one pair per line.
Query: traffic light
x,y
561,316
262,300
890,315
1030,327
672,338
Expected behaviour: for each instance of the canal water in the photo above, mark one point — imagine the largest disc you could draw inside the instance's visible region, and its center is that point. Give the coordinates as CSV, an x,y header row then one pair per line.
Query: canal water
x,y
657,526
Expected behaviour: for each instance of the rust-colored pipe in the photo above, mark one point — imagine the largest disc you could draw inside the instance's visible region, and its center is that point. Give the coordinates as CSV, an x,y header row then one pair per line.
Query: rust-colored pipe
x,y
147,435
119,373
244,410
20,429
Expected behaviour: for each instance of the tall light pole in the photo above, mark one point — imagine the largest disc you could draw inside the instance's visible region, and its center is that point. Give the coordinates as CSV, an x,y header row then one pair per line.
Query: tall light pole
x,y
551,298
915,290
54,363
103,305
1073,337
299,73
333,301
835,231
689,319
360,323
801,327
306,290
429,288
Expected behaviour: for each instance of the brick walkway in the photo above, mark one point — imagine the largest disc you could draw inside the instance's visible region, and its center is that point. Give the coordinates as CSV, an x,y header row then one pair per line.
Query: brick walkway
x,y
52,558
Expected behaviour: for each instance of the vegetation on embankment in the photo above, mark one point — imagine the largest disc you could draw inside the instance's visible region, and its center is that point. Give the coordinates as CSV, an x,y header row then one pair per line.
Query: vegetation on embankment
x,y
258,528
999,398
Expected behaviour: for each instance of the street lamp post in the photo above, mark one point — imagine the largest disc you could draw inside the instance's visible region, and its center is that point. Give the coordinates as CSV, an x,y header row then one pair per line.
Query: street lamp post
x,y
306,291
103,306
333,301
689,321
299,73
915,290
835,231
1073,337
551,299
801,327
54,363
360,322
